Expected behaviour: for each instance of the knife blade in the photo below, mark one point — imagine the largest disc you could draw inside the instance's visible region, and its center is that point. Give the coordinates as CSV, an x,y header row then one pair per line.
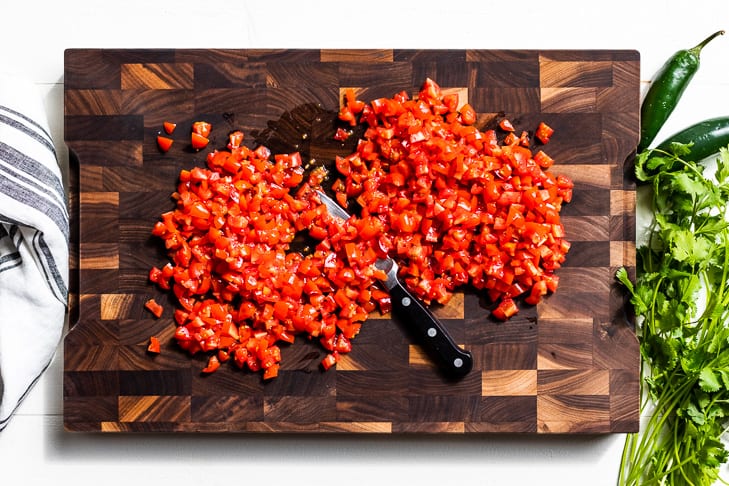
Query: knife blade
x,y
431,333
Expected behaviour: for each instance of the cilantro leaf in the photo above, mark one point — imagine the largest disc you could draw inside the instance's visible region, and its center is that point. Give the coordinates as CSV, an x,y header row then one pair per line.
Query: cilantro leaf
x,y
722,166
680,149
686,183
688,247
708,381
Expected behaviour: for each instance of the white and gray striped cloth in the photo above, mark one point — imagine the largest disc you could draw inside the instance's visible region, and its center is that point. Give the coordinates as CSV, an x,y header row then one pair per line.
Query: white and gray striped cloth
x,y
34,233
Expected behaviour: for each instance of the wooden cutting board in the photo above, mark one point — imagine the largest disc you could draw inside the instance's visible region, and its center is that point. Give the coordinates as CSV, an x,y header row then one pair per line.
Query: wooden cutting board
x,y
568,365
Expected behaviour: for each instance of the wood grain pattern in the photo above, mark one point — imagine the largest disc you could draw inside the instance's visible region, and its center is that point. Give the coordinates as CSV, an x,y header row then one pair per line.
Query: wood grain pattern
x,y
568,365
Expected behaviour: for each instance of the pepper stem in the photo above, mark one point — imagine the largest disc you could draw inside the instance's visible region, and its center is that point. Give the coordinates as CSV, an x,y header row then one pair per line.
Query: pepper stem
x,y
697,49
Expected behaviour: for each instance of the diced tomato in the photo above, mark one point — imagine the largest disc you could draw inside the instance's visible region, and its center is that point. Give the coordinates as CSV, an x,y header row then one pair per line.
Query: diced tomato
x,y
543,160
153,307
169,127
341,134
351,107
468,114
164,143
198,141
506,309
235,140
271,372
506,125
544,132
240,288
202,128
330,360
213,364
457,206
154,345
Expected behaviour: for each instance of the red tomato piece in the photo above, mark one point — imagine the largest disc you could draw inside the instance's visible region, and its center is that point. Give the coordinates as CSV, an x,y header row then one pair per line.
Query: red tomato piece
x,y
213,364
544,132
506,125
235,140
271,372
164,143
154,345
506,309
351,107
543,160
341,134
198,141
153,307
202,128
169,127
468,114
352,102
330,360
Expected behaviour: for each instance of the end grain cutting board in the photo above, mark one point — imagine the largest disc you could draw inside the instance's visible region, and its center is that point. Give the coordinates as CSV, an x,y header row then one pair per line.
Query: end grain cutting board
x,y
568,365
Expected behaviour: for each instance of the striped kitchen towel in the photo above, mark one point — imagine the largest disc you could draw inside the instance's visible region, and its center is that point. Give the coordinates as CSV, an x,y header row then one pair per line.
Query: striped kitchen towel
x,y
34,232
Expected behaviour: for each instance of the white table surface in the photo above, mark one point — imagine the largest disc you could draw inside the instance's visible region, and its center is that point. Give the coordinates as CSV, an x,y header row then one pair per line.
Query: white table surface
x,y
34,447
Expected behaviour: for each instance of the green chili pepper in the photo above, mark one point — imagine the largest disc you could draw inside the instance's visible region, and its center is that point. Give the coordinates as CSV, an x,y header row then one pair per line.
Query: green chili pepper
x,y
708,137
667,88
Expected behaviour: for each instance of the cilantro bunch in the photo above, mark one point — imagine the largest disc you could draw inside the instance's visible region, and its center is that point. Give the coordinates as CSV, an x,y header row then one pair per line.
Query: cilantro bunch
x,y
681,302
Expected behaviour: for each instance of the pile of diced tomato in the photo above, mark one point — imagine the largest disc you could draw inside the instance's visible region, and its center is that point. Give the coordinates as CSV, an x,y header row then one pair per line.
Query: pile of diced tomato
x,y
452,204
241,291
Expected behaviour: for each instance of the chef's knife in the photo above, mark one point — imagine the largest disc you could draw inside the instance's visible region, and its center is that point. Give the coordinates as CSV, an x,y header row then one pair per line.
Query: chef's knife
x,y
433,336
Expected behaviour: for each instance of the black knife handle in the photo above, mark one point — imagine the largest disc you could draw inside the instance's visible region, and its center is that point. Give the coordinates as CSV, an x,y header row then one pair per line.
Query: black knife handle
x,y
431,333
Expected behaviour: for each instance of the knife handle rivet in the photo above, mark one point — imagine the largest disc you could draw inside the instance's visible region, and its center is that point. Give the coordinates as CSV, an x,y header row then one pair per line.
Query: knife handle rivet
x,y
458,362
406,301
432,332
